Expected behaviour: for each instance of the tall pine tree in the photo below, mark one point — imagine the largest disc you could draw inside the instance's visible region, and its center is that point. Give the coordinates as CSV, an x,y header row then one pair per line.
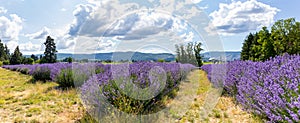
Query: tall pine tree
x,y
2,52
6,50
16,57
245,54
50,51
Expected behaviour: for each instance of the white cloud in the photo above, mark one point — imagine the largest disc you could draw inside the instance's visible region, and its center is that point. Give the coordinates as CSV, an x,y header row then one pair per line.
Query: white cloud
x,y
3,10
196,1
130,20
65,42
30,47
10,27
40,34
63,9
82,14
239,17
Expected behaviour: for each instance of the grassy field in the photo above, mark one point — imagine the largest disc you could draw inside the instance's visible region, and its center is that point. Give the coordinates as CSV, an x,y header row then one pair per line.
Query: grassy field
x,y
21,100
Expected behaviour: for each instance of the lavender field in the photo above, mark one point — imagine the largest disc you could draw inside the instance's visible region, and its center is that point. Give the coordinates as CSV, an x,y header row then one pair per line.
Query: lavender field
x,y
268,89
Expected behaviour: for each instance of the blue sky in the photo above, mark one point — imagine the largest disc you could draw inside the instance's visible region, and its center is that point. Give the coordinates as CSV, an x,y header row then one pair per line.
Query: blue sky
x,y
88,26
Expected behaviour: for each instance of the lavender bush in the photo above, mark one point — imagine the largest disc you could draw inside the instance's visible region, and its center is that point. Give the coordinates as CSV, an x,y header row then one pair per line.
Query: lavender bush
x,y
137,88
270,89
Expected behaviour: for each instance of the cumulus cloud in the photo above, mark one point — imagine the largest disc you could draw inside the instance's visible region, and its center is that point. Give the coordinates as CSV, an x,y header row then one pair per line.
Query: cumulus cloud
x,y
10,27
30,47
240,17
3,10
82,14
126,20
65,42
131,20
40,34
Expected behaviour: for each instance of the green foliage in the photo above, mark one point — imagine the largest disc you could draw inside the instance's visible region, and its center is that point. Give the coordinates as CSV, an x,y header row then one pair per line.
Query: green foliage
x,y
16,57
74,77
189,53
6,62
1,63
65,78
68,59
197,50
28,61
50,51
4,52
41,74
161,60
283,38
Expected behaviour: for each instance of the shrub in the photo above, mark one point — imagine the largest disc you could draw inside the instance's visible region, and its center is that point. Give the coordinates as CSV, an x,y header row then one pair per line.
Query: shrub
x,y
161,60
1,63
65,78
74,77
42,74
28,61
6,62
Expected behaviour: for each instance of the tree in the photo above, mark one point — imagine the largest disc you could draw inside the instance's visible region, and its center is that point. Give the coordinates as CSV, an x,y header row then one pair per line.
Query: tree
x,y
286,36
2,52
189,53
16,57
267,48
197,50
50,51
68,59
245,54
283,38
6,50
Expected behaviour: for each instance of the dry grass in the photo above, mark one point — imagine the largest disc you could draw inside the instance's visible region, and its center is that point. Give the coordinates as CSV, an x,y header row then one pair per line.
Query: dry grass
x,y
21,100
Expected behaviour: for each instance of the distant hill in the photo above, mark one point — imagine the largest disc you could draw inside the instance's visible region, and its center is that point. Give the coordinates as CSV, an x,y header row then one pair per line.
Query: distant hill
x,y
138,56
217,55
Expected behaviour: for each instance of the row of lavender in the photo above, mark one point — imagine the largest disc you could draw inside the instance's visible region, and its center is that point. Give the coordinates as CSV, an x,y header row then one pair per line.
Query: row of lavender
x,y
138,88
65,74
270,89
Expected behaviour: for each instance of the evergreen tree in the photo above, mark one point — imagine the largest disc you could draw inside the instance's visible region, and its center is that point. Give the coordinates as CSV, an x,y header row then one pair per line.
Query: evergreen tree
x,y
6,50
197,50
245,54
267,48
50,51
16,57
2,52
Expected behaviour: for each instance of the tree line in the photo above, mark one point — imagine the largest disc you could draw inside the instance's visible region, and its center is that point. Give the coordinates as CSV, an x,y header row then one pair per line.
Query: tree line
x,y
189,53
17,57
284,37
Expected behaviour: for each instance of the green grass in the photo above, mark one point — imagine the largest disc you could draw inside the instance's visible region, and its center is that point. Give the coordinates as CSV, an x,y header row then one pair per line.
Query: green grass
x,y
204,63
21,100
